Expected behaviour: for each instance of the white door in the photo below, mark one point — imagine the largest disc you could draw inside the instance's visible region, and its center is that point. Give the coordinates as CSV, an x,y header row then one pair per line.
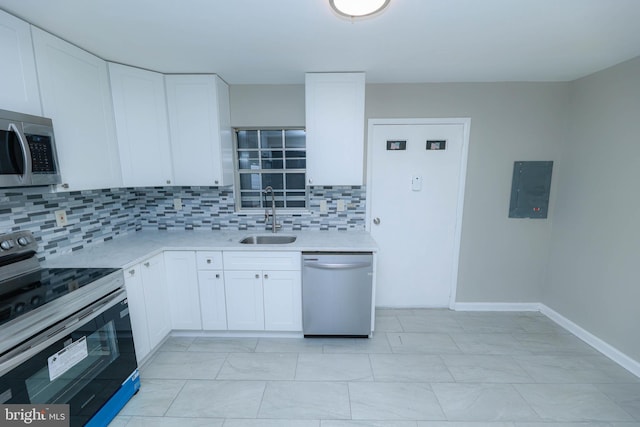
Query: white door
x,y
415,187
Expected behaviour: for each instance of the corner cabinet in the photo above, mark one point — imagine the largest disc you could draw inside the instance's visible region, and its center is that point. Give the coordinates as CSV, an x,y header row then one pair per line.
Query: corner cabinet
x,y
200,129
140,109
19,84
263,290
146,286
74,87
334,110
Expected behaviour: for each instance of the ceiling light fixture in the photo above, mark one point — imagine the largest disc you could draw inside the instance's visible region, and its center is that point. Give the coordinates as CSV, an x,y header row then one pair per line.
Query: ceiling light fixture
x,y
358,8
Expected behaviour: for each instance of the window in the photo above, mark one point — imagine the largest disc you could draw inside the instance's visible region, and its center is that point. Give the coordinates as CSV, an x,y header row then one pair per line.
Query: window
x,y
270,157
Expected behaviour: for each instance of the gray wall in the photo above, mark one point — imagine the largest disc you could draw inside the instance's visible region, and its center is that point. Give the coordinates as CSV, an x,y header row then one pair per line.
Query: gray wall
x,y
593,272
267,105
501,259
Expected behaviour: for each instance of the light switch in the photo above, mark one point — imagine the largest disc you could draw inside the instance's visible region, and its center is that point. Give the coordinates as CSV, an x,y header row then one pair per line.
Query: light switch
x,y
340,206
323,206
177,204
416,183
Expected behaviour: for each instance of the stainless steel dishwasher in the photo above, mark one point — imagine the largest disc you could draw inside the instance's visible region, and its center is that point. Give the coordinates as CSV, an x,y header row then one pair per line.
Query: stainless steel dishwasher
x,y
336,294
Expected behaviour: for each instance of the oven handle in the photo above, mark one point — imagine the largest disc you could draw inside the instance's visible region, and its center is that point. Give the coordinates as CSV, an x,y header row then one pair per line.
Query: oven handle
x,y
39,342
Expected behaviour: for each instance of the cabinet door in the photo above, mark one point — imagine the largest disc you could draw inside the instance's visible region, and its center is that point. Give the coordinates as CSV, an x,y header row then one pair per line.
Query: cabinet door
x,y
19,84
142,127
156,299
137,312
184,295
334,110
200,128
243,290
212,300
282,300
74,86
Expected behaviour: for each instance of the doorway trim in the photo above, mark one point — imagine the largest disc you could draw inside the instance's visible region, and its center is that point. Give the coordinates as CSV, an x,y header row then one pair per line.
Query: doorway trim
x,y
466,124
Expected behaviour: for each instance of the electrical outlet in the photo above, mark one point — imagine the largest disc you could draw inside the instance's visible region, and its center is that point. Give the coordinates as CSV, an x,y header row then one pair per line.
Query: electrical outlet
x,y
61,218
177,204
323,206
340,206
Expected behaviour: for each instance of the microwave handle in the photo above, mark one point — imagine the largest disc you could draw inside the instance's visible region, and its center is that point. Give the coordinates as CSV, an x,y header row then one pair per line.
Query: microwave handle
x,y
26,153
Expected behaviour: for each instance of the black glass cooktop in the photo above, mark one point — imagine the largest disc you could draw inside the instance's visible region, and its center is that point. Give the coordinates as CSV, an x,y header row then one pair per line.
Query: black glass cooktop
x,y
26,292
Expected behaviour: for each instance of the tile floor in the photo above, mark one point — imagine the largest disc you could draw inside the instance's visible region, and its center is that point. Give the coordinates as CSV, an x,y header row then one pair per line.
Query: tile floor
x,y
423,368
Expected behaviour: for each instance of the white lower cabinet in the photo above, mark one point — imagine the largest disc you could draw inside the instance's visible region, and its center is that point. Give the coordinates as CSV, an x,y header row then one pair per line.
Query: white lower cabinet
x,y
137,312
148,301
213,308
243,291
212,300
263,291
282,300
184,294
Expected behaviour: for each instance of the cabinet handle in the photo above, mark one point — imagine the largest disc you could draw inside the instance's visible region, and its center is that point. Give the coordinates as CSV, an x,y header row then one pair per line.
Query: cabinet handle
x,y
266,276
208,260
146,264
218,276
132,272
257,276
216,182
65,185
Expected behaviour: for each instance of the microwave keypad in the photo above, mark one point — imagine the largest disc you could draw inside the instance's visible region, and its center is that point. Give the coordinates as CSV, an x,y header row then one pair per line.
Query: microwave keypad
x,y
41,154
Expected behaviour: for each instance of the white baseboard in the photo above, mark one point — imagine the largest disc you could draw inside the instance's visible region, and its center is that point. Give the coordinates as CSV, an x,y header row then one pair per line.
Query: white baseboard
x,y
496,306
611,352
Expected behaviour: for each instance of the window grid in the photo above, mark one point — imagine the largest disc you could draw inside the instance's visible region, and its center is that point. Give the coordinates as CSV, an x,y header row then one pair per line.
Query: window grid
x,y
261,161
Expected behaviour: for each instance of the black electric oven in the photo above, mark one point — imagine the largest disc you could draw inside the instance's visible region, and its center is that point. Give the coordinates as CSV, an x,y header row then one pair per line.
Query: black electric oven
x,y
82,361
65,338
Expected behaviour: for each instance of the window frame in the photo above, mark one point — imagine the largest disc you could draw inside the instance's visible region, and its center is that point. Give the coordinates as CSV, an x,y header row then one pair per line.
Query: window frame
x,y
237,171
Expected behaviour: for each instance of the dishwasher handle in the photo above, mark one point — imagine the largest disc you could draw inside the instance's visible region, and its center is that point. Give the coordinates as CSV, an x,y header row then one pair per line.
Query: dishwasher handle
x,y
315,263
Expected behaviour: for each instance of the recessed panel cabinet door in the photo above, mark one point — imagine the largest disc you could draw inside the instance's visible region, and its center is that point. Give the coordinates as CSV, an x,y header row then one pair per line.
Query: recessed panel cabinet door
x,y
75,92
212,300
156,299
200,128
243,291
182,283
142,126
334,110
19,84
137,312
282,300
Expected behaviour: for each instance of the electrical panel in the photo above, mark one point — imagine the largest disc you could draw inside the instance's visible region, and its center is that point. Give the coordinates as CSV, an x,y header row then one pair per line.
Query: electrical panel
x,y
530,189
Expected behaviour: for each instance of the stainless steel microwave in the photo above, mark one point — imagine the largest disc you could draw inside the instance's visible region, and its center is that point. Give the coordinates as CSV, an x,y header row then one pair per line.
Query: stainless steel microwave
x,y
27,151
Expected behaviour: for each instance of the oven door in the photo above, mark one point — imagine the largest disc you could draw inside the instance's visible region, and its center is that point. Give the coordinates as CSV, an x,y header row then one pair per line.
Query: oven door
x,y
82,361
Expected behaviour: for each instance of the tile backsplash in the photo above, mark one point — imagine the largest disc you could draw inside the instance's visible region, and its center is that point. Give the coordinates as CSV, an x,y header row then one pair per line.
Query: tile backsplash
x,y
98,215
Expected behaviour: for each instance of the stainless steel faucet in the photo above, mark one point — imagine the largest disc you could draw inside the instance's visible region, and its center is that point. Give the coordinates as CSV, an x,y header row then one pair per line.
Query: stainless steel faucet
x,y
274,224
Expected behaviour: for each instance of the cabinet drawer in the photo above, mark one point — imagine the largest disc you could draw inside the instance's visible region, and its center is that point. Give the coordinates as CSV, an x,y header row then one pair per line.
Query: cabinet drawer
x,y
209,260
257,260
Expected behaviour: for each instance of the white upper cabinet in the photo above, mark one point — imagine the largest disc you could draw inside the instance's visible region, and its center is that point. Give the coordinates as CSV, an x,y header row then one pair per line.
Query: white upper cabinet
x,y
74,87
19,83
200,128
334,110
139,105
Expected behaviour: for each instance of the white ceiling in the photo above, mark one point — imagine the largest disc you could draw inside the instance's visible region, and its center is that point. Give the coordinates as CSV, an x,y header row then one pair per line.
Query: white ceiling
x,y
262,41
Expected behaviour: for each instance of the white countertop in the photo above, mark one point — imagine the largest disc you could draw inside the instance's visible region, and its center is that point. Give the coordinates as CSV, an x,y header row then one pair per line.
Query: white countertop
x,y
131,249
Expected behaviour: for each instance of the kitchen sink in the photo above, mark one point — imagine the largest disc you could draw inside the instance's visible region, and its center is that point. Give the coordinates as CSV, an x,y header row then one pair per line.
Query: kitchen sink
x,y
268,240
